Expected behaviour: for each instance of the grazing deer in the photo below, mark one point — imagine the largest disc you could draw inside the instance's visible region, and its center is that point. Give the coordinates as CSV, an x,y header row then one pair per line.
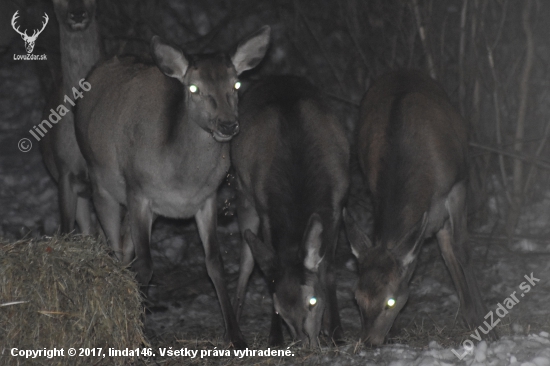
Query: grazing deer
x,y
156,141
412,146
81,49
291,160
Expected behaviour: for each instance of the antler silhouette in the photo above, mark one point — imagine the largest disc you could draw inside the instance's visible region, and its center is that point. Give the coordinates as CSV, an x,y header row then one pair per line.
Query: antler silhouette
x,y
13,19
24,34
37,32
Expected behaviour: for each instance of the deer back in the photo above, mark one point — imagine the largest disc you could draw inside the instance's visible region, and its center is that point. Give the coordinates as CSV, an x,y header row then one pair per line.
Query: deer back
x,y
412,146
291,159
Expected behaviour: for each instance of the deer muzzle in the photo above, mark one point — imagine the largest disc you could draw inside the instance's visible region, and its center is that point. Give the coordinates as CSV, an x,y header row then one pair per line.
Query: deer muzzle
x,y
78,19
375,330
225,130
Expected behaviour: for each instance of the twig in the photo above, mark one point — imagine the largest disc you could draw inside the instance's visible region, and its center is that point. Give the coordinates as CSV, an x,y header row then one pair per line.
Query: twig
x,y
524,94
517,167
202,42
13,303
442,48
323,51
461,50
412,42
343,100
537,156
531,159
498,119
396,36
501,25
422,33
172,12
505,238
354,39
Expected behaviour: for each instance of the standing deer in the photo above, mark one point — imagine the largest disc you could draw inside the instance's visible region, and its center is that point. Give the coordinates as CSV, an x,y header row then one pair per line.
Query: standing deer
x,y
291,160
412,146
156,141
81,49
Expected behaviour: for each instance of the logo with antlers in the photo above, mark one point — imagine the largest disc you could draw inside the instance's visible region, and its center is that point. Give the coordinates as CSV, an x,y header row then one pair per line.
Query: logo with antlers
x,y
29,40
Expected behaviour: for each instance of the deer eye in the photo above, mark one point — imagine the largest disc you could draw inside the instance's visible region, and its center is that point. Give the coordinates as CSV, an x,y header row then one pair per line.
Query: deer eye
x,y
312,302
193,88
237,85
390,303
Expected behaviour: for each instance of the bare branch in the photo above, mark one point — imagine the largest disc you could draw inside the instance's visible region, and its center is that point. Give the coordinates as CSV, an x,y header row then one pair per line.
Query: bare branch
x,y
536,160
422,33
461,50
537,156
523,95
498,121
323,51
354,38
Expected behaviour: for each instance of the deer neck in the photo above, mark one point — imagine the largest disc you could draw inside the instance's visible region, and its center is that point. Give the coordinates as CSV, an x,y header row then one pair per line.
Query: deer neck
x,y
80,51
191,146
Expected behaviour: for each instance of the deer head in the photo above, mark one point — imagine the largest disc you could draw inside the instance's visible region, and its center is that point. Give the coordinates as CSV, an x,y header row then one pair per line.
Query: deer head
x,y
29,40
384,274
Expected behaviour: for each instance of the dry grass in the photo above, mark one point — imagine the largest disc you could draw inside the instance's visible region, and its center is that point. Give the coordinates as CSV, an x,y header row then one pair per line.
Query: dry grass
x,y
64,292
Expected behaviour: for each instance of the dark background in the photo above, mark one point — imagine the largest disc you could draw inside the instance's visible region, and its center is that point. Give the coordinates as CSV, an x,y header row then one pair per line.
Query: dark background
x,y
491,57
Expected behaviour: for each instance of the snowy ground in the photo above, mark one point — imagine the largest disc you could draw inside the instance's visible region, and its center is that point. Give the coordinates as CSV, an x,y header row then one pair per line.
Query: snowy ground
x,y
184,309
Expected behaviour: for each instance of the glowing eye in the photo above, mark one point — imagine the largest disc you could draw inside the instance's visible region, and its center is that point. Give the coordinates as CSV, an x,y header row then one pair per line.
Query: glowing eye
x,y
193,88
312,301
390,303
237,85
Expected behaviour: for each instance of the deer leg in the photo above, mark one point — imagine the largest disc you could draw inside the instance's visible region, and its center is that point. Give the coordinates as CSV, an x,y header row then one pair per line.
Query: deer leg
x,y
248,219
97,229
276,332
84,216
67,203
453,241
128,250
207,222
331,317
108,214
139,224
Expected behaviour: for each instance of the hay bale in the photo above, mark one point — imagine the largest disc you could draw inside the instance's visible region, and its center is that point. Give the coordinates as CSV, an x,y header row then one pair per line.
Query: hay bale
x,y
64,292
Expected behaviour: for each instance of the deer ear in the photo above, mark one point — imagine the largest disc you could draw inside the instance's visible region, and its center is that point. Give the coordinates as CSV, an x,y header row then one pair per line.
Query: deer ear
x,y
313,240
262,253
169,59
359,241
406,252
251,50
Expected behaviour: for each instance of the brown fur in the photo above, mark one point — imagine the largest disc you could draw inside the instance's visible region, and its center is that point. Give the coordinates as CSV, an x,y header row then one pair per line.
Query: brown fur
x,y
81,49
291,160
412,146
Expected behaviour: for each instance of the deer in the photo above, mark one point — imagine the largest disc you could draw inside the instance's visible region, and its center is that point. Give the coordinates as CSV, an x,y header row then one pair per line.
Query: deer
x,y
156,141
291,161
412,149
29,40
81,50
